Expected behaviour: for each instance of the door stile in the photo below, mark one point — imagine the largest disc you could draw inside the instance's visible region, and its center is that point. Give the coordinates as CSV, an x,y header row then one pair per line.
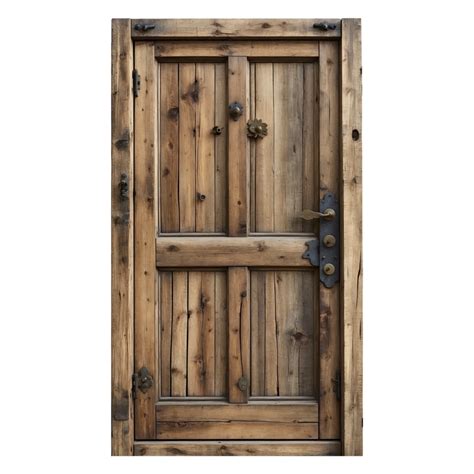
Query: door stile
x,y
145,231
238,148
329,318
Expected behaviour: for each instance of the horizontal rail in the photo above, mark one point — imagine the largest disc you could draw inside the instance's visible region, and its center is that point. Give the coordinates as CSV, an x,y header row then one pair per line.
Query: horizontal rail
x,y
231,251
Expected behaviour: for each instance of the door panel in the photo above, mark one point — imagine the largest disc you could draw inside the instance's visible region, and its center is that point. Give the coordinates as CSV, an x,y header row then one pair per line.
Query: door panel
x,y
231,321
193,333
282,333
193,165
282,164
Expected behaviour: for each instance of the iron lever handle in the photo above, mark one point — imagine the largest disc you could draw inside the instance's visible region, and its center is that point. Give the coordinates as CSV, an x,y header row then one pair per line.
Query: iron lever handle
x,y
308,214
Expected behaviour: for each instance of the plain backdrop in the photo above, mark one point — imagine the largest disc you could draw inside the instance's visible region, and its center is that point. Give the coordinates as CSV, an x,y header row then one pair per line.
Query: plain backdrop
x,y
418,136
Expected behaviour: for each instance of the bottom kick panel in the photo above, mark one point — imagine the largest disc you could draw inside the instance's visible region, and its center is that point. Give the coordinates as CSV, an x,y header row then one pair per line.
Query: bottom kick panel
x,y
238,448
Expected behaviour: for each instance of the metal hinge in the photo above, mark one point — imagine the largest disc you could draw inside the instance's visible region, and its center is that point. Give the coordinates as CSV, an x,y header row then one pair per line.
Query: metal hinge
x,y
141,381
136,83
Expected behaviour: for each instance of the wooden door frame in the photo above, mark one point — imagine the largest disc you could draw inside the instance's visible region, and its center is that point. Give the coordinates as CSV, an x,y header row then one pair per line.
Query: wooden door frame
x,y
348,35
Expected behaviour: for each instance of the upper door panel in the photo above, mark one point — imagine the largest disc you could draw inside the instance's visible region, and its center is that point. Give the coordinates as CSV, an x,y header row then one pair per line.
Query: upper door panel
x,y
283,165
192,159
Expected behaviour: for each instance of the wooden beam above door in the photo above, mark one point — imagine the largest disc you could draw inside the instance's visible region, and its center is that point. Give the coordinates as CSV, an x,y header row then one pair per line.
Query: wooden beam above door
x,y
236,28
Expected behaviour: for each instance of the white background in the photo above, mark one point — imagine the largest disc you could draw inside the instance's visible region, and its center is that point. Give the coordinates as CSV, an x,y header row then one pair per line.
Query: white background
x,y
55,235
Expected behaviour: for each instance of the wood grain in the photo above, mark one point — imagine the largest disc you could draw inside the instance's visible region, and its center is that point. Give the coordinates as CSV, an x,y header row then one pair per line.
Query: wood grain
x,y
235,28
205,158
231,251
329,156
260,49
238,448
287,412
179,342
263,180
235,430
169,148
122,240
145,271
282,315
351,98
166,321
238,158
220,148
239,332
188,96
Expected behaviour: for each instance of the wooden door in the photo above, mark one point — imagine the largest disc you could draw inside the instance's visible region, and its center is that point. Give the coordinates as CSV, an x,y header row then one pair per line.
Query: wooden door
x,y
240,336
237,341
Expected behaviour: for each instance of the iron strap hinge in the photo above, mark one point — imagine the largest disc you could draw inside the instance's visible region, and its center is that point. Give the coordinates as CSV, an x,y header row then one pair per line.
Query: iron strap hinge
x,y
136,83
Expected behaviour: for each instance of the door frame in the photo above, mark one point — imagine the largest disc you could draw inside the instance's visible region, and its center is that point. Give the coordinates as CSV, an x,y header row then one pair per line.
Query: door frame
x,y
347,33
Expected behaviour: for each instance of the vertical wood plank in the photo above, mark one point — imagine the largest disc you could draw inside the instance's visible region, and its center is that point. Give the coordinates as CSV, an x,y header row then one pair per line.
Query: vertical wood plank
x,y
201,334
257,315
122,239
288,113
179,334
264,155
169,147
166,319
221,147
239,332
271,329
205,160
188,97
238,83
195,339
329,123
208,302
145,272
310,159
221,334
306,336
252,147
351,98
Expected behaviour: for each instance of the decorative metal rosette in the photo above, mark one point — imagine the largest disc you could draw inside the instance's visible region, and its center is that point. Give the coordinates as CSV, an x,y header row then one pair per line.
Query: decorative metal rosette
x,y
257,128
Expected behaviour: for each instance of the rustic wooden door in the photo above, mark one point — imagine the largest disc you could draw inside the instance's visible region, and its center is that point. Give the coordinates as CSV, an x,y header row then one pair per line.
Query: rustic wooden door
x,y
242,317
238,334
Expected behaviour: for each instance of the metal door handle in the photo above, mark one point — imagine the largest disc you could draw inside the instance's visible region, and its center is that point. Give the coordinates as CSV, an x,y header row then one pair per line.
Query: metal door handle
x,y
308,214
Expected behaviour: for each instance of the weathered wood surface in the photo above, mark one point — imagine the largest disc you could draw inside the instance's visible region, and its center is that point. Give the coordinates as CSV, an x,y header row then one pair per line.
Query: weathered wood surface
x,y
235,430
238,448
238,158
282,333
259,49
239,332
329,175
282,167
235,28
122,240
288,412
192,159
231,251
145,270
193,343
351,71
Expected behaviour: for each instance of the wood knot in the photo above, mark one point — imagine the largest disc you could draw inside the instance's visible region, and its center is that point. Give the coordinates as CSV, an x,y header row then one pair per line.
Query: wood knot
x,y
243,294
173,113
